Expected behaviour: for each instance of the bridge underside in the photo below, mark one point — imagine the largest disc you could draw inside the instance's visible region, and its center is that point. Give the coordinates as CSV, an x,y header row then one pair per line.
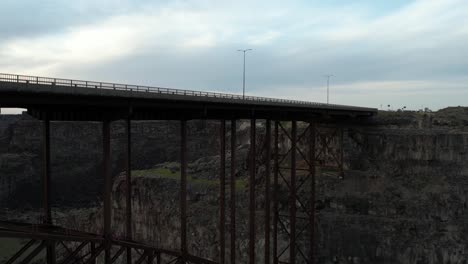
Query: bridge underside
x,y
85,104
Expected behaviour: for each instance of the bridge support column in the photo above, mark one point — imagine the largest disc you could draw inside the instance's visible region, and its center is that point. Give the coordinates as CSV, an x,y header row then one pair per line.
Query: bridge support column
x,y
275,193
312,171
107,190
183,188
222,192
252,192
128,188
46,171
267,191
232,227
46,182
92,246
292,196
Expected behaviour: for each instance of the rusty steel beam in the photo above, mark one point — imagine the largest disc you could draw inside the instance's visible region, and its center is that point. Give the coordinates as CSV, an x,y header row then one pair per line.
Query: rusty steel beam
x,y
150,257
92,246
107,189
292,195
128,188
275,195
74,253
252,192
232,227
312,193
143,257
20,252
46,183
46,170
95,253
117,254
267,191
34,253
222,192
183,187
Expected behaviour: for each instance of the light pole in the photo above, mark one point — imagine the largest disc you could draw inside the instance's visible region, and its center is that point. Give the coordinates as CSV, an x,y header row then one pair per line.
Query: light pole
x,y
243,76
328,86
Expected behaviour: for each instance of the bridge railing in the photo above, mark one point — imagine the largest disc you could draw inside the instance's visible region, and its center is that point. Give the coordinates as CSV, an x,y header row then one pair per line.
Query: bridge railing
x,y
4,77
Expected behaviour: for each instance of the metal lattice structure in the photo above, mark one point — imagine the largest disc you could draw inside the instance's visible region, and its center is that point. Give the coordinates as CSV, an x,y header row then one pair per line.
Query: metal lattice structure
x,y
289,169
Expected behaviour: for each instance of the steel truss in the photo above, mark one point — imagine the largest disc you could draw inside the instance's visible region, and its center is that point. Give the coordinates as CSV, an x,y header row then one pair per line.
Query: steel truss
x,y
295,166
294,170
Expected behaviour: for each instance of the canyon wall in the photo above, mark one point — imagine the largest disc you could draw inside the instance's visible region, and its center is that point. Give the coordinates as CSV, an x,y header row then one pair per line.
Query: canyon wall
x,y
403,197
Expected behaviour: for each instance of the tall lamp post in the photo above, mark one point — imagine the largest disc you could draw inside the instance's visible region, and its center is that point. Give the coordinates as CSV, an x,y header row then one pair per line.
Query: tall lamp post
x,y
243,79
328,86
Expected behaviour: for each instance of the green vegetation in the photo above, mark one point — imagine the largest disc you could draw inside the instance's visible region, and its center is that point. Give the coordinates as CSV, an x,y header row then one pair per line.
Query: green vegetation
x,y
165,173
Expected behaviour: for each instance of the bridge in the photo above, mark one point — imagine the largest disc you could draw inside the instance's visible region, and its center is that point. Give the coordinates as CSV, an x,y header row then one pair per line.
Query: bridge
x,y
314,132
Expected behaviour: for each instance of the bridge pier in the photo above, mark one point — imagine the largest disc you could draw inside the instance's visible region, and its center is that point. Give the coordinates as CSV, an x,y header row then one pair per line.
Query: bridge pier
x,y
183,188
312,171
252,191
232,206
107,190
128,187
222,191
267,190
46,182
275,193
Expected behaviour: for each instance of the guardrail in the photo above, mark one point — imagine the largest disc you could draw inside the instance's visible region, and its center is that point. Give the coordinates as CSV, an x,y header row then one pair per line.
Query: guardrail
x,y
4,77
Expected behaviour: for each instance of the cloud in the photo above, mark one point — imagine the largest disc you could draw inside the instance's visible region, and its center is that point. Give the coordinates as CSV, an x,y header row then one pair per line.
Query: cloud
x,y
263,38
417,49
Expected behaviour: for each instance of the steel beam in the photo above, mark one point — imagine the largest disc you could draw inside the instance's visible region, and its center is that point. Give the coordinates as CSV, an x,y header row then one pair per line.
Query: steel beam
x,y
46,171
150,257
183,187
267,191
312,193
232,228
20,252
128,188
107,189
95,253
92,246
117,254
34,253
275,195
73,254
252,192
292,195
222,192
46,182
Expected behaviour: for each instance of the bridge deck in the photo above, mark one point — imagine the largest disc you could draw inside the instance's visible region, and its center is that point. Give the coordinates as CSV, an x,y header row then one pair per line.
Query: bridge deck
x,y
88,100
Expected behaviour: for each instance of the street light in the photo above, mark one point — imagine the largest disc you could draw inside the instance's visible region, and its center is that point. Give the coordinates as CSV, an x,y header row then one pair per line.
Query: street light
x,y
328,87
243,79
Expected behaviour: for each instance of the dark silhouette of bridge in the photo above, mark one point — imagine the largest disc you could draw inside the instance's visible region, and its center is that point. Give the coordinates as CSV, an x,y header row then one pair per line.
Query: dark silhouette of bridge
x,y
53,99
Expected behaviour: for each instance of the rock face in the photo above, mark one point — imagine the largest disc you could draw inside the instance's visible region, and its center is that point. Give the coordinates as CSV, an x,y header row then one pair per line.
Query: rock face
x,y
404,195
403,198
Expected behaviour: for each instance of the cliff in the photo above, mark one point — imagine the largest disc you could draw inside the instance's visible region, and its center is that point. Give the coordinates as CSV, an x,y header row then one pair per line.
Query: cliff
x,y
403,197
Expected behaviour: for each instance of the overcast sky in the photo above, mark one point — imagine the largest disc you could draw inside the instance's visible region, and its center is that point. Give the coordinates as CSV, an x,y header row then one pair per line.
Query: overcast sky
x,y
402,53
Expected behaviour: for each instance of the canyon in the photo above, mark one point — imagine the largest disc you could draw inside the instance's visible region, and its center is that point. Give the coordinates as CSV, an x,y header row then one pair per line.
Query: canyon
x,y
402,198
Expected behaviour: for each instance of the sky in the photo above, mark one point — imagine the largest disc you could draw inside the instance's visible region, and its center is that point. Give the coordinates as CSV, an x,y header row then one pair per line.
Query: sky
x,y
380,52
